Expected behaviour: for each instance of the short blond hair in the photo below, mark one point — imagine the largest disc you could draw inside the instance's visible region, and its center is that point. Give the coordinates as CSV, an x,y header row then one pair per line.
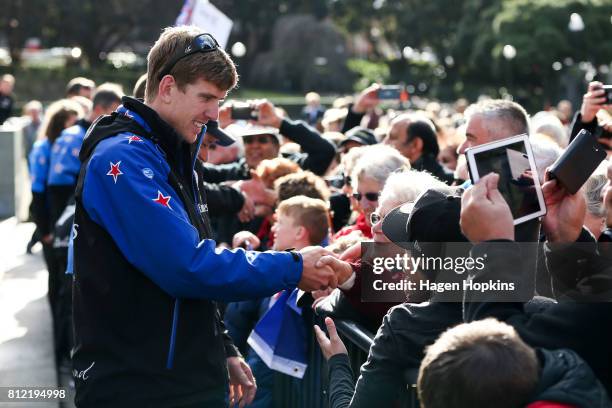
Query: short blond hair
x,y
215,67
310,213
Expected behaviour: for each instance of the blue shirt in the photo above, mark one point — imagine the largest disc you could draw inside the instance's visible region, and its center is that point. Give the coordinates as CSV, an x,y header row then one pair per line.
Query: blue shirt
x,y
65,163
38,162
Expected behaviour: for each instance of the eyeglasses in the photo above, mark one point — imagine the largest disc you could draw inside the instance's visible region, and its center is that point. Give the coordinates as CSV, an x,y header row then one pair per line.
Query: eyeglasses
x,y
201,43
375,218
261,139
368,196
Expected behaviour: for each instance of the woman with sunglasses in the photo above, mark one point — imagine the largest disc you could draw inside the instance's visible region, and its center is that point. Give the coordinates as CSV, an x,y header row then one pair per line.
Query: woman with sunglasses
x,y
368,177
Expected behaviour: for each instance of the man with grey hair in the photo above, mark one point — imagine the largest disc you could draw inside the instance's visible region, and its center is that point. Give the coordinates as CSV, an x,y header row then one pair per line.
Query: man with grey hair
x,y
491,120
595,217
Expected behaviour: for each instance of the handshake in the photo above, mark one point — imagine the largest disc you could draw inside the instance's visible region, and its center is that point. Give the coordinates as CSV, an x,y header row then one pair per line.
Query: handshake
x,y
322,270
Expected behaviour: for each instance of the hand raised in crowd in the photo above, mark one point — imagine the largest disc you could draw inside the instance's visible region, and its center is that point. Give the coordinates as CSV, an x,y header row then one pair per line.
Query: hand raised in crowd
x,y
256,190
242,386
352,253
244,239
225,115
485,215
592,101
564,212
266,114
317,276
247,212
367,99
332,345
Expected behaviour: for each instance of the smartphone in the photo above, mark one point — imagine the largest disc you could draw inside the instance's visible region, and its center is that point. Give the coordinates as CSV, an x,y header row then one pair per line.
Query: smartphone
x,y
390,92
243,112
608,94
573,168
519,184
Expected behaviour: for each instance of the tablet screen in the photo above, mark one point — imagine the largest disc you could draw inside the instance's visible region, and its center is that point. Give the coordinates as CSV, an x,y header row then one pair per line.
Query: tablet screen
x,y
516,177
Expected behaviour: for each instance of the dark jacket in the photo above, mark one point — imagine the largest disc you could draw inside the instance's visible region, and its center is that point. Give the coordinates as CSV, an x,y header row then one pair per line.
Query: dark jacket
x,y
592,126
394,357
317,154
352,119
146,276
565,378
582,324
221,199
429,163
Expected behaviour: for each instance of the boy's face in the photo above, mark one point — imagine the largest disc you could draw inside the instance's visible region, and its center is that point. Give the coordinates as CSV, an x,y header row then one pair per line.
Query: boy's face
x,y
286,232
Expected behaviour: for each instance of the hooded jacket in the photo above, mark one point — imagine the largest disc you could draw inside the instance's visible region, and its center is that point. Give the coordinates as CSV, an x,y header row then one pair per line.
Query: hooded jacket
x,y
566,379
146,274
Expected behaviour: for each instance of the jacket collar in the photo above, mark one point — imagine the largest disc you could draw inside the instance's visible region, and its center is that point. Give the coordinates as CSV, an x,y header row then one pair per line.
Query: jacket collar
x,y
173,145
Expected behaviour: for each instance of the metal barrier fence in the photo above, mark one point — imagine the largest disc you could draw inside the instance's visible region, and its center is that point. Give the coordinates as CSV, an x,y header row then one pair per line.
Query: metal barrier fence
x,y
312,390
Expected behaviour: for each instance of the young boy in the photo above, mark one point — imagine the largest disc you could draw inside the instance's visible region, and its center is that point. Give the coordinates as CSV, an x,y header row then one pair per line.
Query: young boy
x,y
300,222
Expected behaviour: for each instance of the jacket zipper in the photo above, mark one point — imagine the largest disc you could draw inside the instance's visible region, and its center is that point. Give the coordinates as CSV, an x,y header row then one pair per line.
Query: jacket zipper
x,y
175,317
177,302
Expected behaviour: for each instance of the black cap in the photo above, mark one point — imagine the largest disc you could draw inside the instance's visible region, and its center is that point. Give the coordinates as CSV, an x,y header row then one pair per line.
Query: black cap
x,y
433,217
361,135
223,139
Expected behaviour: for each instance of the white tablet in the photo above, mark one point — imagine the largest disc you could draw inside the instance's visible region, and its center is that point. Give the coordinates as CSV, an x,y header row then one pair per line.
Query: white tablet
x,y
512,159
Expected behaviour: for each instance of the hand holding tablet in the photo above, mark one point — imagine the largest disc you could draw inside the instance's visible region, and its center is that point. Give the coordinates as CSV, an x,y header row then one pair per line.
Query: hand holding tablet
x,y
512,159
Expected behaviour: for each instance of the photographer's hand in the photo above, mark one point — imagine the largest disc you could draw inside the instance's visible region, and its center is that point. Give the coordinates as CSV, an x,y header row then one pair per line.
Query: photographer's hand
x,y
266,114
367,99
592,101
225,116
564,212
485,215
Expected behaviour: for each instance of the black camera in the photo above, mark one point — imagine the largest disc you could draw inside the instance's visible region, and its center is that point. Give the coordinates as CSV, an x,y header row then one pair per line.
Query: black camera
x,y
608,94
243,112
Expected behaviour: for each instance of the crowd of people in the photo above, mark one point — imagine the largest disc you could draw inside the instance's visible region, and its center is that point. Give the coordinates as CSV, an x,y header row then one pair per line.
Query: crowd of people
x,y
171,225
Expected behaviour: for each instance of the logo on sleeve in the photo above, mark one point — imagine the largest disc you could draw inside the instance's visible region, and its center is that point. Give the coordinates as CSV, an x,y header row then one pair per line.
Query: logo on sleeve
x,y
133,138
114,171
148,173
162,199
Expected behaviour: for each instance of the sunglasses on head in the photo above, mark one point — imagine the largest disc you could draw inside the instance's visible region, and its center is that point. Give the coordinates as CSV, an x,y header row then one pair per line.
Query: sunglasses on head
x,y
261,139
201,43
368,196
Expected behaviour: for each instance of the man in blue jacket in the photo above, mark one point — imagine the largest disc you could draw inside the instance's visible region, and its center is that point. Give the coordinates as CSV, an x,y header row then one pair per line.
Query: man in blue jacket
x,y
146,273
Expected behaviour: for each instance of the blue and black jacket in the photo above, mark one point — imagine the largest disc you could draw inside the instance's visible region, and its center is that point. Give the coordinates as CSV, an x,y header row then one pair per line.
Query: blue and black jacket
x,y
146,274
64,167
38,162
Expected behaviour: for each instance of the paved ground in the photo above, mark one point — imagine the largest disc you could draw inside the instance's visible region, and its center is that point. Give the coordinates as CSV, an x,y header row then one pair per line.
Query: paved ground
x,y
26,351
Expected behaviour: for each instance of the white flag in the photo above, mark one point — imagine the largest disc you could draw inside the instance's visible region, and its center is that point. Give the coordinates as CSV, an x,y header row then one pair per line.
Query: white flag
x,y
202,14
